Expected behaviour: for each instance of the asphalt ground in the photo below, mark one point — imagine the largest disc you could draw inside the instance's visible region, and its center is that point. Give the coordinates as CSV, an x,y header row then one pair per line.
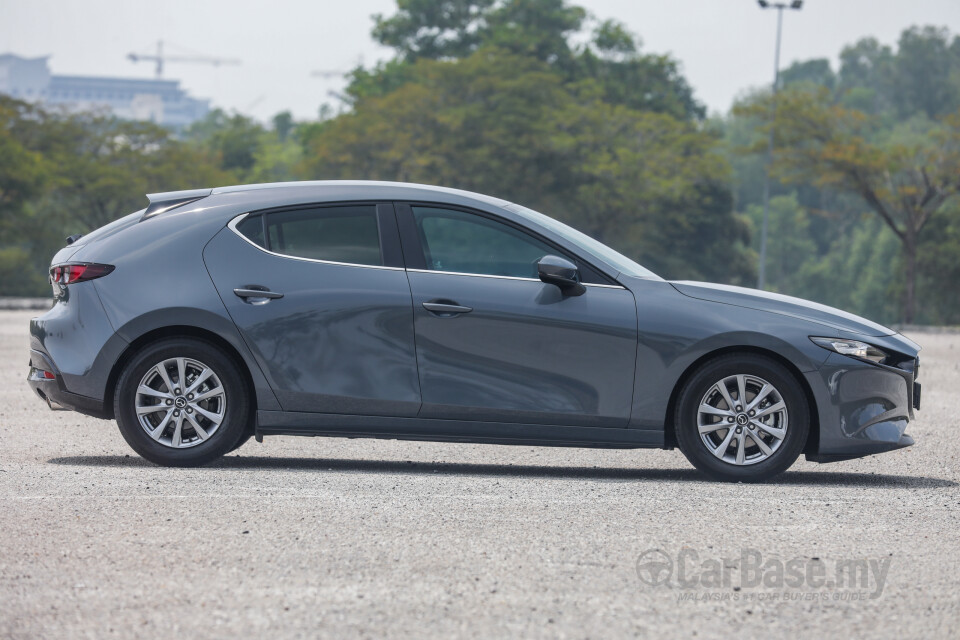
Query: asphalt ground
x,y
316,537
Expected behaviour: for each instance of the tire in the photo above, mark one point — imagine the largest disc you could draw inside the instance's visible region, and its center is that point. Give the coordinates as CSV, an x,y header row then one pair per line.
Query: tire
x,y
708,436
221,395
242,441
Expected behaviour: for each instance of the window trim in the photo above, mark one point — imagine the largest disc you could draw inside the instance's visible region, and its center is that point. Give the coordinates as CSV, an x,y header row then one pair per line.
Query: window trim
x,y
410,240
232,225
402,229
487,275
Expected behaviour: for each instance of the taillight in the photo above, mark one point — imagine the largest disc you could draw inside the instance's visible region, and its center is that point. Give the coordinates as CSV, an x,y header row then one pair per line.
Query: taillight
x,y
70,273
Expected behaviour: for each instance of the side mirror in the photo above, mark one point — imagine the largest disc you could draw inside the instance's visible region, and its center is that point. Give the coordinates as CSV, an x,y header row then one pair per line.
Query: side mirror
x,y
562,273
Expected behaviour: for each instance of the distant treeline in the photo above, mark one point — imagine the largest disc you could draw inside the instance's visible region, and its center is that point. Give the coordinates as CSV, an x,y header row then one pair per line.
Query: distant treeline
x,y
537,102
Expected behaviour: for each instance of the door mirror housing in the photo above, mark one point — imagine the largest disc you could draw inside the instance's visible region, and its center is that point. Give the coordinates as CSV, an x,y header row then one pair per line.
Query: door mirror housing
x,y
562,273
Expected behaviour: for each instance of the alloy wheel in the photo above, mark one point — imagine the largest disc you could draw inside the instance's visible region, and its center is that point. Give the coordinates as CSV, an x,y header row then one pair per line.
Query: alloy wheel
x,y
180,402
742,419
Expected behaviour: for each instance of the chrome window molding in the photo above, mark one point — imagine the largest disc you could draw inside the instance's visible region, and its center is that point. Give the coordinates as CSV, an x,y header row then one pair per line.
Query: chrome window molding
x,y
232,225
487,275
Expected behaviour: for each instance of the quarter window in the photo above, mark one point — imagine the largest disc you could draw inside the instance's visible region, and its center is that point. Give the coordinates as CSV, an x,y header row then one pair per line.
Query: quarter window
x,y
468,243
337,234
251,228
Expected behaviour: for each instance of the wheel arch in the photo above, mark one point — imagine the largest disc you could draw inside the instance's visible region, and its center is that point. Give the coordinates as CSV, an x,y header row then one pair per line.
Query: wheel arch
x,y
813,437
177,331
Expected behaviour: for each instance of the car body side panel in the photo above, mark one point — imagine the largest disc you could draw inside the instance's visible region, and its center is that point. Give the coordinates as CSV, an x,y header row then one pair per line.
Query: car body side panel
x,y
173,289
525,353
340,340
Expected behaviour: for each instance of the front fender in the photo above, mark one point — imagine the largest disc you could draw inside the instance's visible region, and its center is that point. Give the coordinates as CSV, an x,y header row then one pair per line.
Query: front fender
x,y
676,332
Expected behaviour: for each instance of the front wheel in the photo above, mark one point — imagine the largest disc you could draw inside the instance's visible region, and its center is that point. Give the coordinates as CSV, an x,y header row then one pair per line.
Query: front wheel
x,y
181,402
742,417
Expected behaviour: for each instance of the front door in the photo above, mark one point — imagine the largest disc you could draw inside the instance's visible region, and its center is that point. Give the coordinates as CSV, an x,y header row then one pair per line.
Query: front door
x,y
494,343
321,298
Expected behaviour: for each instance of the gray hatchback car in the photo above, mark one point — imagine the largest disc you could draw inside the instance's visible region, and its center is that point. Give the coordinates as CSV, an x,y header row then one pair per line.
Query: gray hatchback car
x,y
390,310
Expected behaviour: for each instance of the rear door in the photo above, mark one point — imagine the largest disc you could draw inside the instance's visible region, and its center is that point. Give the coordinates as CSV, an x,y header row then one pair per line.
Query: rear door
x,y
320,295
494,343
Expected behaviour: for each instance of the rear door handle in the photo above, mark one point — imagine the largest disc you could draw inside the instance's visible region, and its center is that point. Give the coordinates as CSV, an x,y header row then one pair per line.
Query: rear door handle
x,y
445,308
257,293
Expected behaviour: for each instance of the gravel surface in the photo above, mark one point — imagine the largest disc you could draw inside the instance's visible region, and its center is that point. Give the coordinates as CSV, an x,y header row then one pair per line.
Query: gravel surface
x,y
303,537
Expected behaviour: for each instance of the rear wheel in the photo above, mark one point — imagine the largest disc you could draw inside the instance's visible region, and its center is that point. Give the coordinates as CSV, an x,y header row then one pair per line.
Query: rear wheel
x,y
742,418
181,402
242,441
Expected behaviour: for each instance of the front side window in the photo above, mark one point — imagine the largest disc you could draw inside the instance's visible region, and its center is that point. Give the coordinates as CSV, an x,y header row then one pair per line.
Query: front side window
x,y
467,243
336,234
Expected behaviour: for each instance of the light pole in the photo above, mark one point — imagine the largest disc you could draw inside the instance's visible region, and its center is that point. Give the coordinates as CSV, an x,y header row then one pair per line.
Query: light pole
x,y
779,6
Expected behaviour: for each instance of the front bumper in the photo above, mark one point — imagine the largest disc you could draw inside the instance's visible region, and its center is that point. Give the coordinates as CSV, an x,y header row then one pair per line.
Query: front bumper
x,y
47,382
863,408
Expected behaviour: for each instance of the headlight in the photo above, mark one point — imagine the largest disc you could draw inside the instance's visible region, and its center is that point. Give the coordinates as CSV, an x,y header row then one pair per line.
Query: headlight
x,y
853,348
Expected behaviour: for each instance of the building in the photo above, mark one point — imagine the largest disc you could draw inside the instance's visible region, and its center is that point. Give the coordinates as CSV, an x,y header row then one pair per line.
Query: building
x,y
160,101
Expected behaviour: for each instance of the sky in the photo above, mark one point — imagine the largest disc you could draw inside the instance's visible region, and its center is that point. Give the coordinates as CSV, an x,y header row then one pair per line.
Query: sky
x,y
724,46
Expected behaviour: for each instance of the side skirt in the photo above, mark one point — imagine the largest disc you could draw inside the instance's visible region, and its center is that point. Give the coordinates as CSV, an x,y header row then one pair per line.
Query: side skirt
x,y
347,426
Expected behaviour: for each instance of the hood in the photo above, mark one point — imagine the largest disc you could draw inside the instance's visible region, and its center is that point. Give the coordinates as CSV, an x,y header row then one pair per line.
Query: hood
x,y
786,305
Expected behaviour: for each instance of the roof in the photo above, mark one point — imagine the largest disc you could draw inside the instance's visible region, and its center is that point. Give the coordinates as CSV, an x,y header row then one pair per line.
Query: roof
x,y
360,189
379,188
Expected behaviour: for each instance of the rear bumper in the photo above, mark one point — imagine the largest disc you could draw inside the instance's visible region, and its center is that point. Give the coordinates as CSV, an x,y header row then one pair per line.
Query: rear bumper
x,y
76,341
51,389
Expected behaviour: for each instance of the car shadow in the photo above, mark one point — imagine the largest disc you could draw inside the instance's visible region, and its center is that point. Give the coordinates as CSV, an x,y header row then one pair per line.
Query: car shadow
x,y
409,467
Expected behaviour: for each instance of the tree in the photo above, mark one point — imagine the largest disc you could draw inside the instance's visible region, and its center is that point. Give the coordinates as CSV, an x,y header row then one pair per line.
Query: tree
x,y
432,29
63,173
926,73
234,138
904,179
510,125
24,174
283,125
813,72
866,77
790,242
550,31
939,263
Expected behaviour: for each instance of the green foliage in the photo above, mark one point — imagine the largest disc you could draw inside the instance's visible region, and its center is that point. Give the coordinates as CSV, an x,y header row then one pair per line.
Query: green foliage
x,y
939,268
815,72
926,73
235,139
72,173
543,30
882,136
510,125
432,29
538,102
789,241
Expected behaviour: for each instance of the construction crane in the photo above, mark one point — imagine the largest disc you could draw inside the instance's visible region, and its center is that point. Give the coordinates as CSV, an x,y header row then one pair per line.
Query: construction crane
x,y
326,74
339,73
160,58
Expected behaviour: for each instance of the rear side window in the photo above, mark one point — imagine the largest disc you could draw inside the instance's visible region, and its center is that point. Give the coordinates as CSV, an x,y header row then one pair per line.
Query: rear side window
x,y
337,234
251,228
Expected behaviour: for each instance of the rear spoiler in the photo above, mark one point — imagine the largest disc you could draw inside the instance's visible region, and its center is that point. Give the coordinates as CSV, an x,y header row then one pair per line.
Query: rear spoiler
x,y
161,202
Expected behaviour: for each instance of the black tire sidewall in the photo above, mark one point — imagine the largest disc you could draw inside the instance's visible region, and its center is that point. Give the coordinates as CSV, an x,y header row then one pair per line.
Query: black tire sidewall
x,y
798,410
236,418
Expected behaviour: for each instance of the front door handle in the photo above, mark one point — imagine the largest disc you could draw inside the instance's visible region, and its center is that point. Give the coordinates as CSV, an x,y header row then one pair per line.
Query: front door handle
x,y
445,308
257,293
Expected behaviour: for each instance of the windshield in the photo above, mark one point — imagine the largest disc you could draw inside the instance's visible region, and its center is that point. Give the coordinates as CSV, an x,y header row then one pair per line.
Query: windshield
x,y
585,242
